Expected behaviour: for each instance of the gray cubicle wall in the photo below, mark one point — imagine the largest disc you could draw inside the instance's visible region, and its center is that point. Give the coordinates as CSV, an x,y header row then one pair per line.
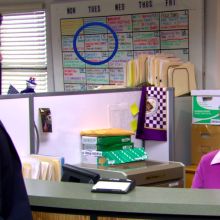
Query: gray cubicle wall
x,y
68,118
183,121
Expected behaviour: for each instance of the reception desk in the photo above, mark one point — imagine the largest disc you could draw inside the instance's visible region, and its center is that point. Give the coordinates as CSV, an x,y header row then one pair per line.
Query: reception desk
x,y
142,202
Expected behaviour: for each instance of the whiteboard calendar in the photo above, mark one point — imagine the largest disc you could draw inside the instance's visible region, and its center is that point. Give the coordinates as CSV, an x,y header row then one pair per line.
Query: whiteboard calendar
x,y
150,27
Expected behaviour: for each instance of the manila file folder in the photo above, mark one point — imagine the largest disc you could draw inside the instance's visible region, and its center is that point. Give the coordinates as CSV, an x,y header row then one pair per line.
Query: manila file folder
x,y
26,171
142,59
182,78
164,68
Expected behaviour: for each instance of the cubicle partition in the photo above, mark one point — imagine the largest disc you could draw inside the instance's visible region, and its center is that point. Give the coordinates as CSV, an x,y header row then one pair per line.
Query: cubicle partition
x,y
72,112
16,116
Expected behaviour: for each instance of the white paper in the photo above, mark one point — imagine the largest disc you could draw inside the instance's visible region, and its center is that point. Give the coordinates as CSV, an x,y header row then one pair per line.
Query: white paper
x,y
49,172
112,185
44,169
55,174
118,116
35,164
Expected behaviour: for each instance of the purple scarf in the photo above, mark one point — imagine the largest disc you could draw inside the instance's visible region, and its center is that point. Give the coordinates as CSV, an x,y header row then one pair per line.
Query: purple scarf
x,y
152,120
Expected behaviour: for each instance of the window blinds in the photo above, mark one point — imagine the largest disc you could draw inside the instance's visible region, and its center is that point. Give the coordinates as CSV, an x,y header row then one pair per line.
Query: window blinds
x,y
23,48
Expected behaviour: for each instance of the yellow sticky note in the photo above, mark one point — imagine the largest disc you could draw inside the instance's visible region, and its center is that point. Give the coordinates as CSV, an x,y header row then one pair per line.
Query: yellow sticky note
x,y
134,109
134,125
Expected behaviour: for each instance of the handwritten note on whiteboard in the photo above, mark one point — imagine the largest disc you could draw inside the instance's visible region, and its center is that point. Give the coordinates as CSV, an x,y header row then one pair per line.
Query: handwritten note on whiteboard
x,y
120,58
91,87
174,20
97,76
174,39
67,43
116,76
74,87
146,22
183,54
120,23
74,75
71,60
146,41
95,29
149,52
118,116
96,42
125,41
96,57
71,26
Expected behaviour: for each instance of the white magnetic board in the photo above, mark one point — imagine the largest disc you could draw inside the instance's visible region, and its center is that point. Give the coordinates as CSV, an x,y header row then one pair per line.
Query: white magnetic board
x,y
14,114
152,26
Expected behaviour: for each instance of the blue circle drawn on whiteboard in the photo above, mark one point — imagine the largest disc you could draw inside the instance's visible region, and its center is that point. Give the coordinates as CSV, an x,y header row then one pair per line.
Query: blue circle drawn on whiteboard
x,y
92,24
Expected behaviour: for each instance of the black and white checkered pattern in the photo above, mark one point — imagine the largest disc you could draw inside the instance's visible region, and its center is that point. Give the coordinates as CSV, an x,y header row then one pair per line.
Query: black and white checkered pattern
x,y
12,90
159,119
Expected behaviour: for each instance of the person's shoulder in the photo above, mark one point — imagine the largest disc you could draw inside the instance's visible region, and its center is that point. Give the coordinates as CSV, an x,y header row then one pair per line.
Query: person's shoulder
x,y
207,158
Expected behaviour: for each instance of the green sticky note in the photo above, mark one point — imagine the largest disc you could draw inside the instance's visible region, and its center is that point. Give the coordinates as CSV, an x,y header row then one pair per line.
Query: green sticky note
x,y
134,125
134,109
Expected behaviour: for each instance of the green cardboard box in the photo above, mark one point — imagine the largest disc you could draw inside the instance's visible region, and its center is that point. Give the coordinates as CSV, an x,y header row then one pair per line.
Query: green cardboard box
x,y
113,157
106,140
122,146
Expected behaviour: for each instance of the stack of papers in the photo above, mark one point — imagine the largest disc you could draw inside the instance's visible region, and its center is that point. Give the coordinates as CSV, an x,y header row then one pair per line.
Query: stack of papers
x,y
54,165
42,167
